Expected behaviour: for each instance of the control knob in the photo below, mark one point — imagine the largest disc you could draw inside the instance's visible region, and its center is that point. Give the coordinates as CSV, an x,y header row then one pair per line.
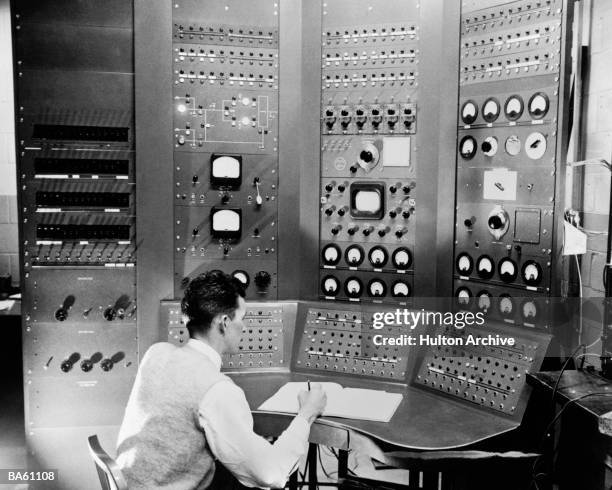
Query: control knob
x,y
262,279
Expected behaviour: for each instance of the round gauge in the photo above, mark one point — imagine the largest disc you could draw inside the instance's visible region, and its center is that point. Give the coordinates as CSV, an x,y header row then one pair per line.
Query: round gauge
x,y
377,288
331,254
529,310
513,145
513,108
538,105
354,255
401,258
489,146
507,270
490,110
505,305
464,296
330,286
469,112
483,300
484,267
243,277
400,289
531,273
353,287
467,147
378,256
535,146
464,264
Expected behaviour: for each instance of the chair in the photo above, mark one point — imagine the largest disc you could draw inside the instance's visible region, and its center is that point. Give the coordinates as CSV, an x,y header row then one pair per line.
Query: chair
x,y
108,471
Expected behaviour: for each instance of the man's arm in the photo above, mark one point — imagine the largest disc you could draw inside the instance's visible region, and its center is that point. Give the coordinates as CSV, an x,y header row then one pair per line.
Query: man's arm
x,y
226,418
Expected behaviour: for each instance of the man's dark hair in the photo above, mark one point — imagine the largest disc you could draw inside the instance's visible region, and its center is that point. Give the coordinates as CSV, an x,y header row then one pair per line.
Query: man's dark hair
x,y
209,295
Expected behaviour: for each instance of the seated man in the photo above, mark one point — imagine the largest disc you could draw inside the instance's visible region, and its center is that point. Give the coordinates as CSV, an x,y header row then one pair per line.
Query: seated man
x,y
183,413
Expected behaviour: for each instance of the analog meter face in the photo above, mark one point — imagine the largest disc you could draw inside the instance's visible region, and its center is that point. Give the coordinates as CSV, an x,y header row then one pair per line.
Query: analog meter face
x,y
463,295
506,305
532,273
529,310
469,112
467,147
513,145
354,255
538,105
331,254
484,300
353,287
484,267
464,264
400,289
402,258
489,146
330,286
242,276
490,110
377,288
507,270
378,256
513,109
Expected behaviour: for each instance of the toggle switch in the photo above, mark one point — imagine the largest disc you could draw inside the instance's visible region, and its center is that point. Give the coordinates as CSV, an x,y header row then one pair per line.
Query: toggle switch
x,y
367,230
353,229
336,229
330,210
342,211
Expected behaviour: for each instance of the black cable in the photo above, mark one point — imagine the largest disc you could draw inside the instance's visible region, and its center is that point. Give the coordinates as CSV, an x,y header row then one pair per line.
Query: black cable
x,y
321,462
565,364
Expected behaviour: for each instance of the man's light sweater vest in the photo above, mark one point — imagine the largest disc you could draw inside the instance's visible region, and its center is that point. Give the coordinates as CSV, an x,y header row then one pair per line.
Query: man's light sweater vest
x,y
161,444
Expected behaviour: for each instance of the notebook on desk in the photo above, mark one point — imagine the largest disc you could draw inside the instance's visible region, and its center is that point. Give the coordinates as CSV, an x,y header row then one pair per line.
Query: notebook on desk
x,y
350,403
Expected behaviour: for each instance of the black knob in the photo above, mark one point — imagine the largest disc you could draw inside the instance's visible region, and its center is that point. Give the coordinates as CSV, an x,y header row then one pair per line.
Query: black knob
x,y
330,210
262,279
375,112
256,231
336,229
399,233
393,189
225,198
195,179
110,314
341,188
406,214
61,314
107,364
86,365
406,189
495,222
345,124
359,112
366,156
382,233
392,213
352,230
468,223
360,123
486,146
256,181
342,211
344,112
367,231
329,187
66,365
195,231
226,250
375,123
330,124
329,113
353,169
391,112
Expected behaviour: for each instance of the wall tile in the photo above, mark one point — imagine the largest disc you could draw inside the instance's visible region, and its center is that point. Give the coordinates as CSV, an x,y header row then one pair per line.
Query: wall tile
x,y
8,180
12,203
15,267
4,210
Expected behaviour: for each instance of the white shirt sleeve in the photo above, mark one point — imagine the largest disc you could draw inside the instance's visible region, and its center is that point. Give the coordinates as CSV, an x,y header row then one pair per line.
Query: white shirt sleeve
x,y
226,418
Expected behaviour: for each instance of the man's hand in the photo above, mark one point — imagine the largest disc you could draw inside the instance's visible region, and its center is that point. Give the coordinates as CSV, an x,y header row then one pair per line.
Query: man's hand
x,y
312,403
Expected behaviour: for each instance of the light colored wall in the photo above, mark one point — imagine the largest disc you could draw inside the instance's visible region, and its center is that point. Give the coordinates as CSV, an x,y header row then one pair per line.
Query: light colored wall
x,y
9,263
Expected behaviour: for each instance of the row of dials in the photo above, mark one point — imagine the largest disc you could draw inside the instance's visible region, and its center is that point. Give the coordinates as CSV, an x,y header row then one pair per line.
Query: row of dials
x,y
354,288
505,305
354,256
535,146
513,108
508,270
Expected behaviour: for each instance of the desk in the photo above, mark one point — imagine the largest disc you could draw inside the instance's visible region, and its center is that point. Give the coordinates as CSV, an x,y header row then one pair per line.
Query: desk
x,y
584,453
423,420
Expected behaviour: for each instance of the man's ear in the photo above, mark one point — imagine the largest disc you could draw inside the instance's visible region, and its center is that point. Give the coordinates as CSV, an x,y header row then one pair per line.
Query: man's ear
x,y
223,320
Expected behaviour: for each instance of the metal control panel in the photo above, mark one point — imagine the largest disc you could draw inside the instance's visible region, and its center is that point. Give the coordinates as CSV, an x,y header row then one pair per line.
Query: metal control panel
x,y
266,338
369,157
491,376
510,151
225,122
340,341
74,83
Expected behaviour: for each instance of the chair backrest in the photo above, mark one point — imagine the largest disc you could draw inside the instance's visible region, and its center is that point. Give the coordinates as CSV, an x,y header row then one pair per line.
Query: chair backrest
x,y
108,471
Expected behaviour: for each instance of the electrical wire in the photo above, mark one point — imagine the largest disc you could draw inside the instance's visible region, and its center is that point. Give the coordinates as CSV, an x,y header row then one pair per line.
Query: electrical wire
x,y
565,364
580,304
